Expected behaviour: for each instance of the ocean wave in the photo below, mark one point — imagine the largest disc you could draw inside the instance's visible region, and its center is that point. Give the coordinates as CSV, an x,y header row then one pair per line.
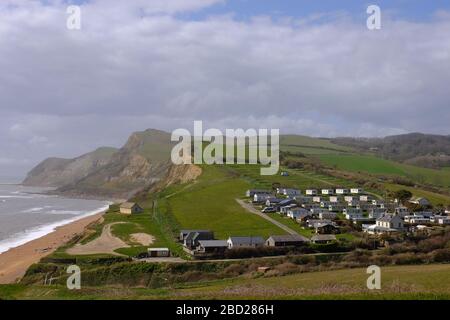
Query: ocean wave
x,y
33,210
21,238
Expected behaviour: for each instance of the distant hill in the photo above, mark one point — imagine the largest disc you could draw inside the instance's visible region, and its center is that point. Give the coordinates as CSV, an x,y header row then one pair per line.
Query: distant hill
x,y
57,172
425,150
108,172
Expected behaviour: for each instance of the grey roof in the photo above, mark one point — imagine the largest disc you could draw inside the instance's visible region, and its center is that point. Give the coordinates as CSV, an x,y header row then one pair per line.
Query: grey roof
x,y
323,237
246,240
386,218
213,243
128,205
289,238
199,231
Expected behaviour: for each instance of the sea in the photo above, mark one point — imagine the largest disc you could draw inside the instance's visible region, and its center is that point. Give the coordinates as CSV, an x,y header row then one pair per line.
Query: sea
x,y
27,213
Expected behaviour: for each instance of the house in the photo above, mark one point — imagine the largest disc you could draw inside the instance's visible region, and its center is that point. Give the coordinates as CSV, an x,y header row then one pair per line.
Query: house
x,y
419,201
212,246
251,193
302,199
325,204
416,219
317,199
245,242
298,213
286,241
158,252
323,238
284,209
365,198
356,190
261,197
190,238
353,214
287,202
335,199
376,213
351,198
310,223
284,174
426,214
327,192
444,221
130,208
390,222
311,192
336,207
325,228
401,211
272,201
290,192
327,215
377,202
342,191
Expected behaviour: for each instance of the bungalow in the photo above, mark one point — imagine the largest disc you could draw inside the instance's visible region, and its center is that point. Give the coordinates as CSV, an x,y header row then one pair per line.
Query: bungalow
x,y
250,193
444,220
364,198
297,213
327,192
327,215
317,199
390,222
356,190
325,204
335,199
401,211
290,192
351,198
336,207
310,223
212,246
377,202
419,201
130,208
416,219
342,191
311,192
376,213
426,214
245,242
356,215
325,228
273,201
261,197
303,199
191,238
286,241
284,209
323,238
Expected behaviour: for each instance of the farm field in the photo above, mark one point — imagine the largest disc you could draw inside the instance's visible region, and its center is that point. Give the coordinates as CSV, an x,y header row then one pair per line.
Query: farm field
x,y
374,165
398,282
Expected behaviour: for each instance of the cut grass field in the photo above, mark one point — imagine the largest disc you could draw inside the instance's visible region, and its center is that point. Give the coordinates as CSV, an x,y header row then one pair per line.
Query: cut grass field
x,y
373,165
397,282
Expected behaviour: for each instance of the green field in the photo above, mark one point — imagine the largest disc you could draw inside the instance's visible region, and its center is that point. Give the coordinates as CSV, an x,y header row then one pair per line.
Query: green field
x,y
373,165
210,203
397,282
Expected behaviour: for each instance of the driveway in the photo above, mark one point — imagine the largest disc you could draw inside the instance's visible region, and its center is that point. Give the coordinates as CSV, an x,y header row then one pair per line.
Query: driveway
x,y
251,209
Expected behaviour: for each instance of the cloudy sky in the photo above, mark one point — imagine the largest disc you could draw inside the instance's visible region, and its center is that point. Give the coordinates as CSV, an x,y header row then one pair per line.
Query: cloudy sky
x,y
307,67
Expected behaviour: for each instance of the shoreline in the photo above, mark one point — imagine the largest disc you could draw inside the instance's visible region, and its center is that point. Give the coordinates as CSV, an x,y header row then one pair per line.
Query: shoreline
x,y
15,261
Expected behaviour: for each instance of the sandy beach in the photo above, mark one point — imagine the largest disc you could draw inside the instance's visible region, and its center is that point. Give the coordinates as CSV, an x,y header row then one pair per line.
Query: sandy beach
x,y
15,262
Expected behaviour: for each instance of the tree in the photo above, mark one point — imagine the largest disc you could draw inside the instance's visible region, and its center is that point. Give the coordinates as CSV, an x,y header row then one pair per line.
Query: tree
x,y
403,195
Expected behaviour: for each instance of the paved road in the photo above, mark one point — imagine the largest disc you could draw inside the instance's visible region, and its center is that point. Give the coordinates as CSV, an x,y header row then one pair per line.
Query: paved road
x,y
251,209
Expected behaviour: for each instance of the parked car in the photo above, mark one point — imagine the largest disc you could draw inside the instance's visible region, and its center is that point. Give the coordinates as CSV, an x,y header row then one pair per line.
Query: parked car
x,y
268,210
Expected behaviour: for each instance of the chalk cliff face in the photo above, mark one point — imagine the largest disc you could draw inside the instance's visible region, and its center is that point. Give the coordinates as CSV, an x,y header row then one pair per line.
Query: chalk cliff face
x,y
142,162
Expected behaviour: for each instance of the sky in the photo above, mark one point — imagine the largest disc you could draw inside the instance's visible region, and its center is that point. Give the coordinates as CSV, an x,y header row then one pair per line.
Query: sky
x,y
305,67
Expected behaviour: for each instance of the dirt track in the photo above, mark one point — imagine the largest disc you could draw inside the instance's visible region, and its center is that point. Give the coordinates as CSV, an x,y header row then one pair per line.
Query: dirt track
x,y
106,244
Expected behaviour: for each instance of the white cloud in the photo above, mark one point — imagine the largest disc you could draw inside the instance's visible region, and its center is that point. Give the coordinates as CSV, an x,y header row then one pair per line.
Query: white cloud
x,y
136,62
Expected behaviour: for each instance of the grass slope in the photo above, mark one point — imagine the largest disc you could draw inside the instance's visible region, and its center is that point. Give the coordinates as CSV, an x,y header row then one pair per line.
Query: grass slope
x,y
398,282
